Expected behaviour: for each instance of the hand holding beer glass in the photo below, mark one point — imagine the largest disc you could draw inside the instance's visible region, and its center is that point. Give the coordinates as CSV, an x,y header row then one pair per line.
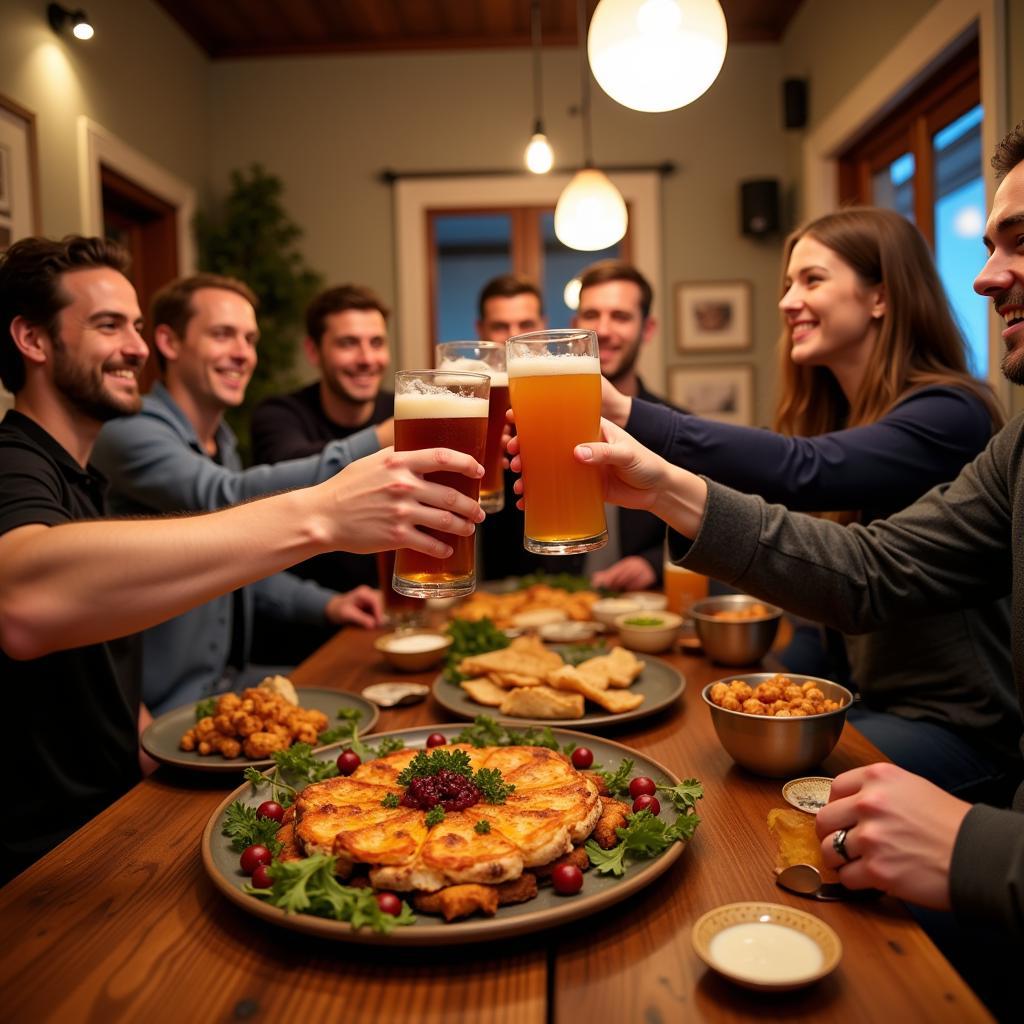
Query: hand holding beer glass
x,y
441,409
555,385
487,357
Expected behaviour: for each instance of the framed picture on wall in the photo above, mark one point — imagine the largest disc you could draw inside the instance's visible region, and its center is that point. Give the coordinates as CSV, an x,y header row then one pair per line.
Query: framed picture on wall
x,y
713,316
19,173
724,393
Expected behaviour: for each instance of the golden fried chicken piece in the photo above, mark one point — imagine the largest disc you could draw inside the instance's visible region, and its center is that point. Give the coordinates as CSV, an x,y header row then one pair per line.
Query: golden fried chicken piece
x,y
577,857
260,745
613,816
188,741
290,849
519,890
457,901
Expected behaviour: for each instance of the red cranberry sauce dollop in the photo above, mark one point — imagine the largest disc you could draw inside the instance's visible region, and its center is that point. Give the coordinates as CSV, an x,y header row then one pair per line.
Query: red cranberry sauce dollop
x,y
452,791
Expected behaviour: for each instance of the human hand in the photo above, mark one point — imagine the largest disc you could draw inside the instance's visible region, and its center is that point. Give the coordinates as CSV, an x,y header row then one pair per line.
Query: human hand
x,y
901,830
363,606
385,433
380,503
615,406
629,573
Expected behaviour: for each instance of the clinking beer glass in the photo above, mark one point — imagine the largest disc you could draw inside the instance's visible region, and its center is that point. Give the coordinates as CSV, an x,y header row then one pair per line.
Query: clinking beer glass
x,y
487,357
441,409
555,387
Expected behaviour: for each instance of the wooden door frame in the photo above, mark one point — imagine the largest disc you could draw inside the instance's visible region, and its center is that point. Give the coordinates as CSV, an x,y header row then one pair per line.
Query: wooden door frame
x,y
96,148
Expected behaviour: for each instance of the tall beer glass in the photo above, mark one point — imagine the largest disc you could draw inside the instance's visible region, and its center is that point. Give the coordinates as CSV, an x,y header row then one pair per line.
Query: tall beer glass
x,y
555,384
441,409
486,357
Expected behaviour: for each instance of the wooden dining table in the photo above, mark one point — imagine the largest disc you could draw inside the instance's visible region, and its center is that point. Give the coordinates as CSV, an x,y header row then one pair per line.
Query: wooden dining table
x,y
121,922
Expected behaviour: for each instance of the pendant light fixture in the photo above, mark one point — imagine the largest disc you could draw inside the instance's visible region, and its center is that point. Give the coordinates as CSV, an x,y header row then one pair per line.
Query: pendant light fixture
x,y
655,55
590,213
539,156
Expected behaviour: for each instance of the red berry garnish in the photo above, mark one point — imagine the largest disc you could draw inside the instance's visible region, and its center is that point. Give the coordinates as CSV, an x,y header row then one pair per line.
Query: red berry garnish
x,y
348,762
567,879
270,809
646,802
261,878
640,785
435,739
389,903
253,856
582,757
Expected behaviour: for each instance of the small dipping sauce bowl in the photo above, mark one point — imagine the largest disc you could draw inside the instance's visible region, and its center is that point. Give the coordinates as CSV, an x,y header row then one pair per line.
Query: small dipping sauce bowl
x,y
413,651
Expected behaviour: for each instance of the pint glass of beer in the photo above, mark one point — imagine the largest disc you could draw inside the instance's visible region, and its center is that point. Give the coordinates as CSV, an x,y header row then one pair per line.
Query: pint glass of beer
x,y
441,409
682,586
555,385
401,610
487,357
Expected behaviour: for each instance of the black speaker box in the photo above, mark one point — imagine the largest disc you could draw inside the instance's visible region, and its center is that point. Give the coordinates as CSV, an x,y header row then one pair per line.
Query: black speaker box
x,y
794,102
759,207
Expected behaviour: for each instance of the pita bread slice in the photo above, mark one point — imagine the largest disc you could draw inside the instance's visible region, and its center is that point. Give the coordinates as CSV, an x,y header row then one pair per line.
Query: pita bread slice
x,y
483,691
542,702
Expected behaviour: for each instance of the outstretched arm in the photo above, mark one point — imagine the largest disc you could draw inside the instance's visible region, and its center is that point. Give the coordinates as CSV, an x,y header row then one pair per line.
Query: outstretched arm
x,y
84,582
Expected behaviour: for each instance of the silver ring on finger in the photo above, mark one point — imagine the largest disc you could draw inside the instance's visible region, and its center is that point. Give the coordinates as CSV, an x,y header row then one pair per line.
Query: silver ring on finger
x,y
839,844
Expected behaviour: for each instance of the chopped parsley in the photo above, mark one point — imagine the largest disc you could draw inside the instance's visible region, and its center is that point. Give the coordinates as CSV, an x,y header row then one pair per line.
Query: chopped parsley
x,y
390,800
434,816
618,780
470,638
482,827
206,708
643,836
243,826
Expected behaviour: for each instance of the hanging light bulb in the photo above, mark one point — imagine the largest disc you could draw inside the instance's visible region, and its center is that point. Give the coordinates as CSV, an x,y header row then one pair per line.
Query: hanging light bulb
x,y
590,213
655,55
539,156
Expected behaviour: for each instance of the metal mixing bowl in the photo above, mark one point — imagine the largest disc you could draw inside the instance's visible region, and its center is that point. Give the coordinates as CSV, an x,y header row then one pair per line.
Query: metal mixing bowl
x,y
740,642
779,747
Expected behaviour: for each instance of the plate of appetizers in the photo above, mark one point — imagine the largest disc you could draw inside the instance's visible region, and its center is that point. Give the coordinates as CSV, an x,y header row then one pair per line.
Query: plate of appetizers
x,y
195,736
430,841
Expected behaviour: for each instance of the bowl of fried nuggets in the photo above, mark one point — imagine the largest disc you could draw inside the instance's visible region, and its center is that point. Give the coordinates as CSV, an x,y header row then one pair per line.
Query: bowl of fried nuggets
x,y
529,681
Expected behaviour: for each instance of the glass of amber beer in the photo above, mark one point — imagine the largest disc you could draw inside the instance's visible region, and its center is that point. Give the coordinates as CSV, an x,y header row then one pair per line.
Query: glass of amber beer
x,y
486,357
555,385
441,409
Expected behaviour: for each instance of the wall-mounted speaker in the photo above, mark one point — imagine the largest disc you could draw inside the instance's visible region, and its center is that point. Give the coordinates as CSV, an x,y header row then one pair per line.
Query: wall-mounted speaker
x,y
794,102
759,207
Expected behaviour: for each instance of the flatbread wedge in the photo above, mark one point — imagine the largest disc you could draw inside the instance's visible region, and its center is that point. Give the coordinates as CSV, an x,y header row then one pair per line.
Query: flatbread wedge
x,y
542,702
483,691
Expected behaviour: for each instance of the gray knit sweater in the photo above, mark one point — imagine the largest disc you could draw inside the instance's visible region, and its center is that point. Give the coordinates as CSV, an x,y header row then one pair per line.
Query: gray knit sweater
x,y
958,547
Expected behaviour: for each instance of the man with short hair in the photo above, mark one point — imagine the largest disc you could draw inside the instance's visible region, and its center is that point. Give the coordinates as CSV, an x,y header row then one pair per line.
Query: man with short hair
x,y
179,455
615,302
508,305
71,351
347,342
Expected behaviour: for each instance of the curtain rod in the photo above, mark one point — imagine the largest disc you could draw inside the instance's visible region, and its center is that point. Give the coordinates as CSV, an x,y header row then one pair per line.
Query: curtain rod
x,y
389,176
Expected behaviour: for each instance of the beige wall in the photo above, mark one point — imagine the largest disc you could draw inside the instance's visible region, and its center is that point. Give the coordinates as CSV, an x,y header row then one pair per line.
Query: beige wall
x,y
140,78
328,125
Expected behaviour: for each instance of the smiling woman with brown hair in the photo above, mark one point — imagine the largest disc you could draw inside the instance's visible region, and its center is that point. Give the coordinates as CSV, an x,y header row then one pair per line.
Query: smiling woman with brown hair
x,y
876,407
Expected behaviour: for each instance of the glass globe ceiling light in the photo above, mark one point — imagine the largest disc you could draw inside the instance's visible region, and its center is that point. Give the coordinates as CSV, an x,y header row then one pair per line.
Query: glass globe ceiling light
x,y
539,157
590,213
656,55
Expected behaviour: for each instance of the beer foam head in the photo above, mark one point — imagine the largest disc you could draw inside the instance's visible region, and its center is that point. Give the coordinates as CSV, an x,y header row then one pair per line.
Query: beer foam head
x,y
499,378
550,365
437,404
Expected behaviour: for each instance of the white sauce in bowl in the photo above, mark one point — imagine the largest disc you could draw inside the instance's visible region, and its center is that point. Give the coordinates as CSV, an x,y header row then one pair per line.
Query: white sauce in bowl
x,y
415,642
764,952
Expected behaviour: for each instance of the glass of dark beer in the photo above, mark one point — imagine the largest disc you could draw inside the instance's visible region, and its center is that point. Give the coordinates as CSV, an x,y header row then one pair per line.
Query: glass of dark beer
x,y
486,357
441,409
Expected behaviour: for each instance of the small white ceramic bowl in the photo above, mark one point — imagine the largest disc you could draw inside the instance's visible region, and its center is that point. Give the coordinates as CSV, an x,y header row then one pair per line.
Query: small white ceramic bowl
x,y
409,651
648,631
608,609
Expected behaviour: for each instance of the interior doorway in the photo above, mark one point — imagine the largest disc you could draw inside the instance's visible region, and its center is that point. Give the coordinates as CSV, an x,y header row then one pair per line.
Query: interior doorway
x,y
147,226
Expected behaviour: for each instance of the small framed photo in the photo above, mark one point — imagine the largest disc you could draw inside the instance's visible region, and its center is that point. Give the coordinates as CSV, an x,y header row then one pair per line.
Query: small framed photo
x,y
724,393
713,316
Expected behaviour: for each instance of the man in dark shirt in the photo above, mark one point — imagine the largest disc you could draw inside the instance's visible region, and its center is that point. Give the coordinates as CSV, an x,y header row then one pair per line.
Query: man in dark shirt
x,y
615,302
347,341
71,352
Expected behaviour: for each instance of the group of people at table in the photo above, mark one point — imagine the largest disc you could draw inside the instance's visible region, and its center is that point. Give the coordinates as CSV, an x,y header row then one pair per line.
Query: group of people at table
x,y
901,456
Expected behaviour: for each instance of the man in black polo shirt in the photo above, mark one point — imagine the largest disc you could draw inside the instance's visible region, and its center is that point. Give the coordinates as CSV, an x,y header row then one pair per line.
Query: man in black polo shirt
x,y
71,351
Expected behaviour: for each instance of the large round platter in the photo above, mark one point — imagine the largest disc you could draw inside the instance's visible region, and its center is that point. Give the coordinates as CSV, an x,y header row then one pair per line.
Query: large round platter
x,y
659,682
160,739
548,910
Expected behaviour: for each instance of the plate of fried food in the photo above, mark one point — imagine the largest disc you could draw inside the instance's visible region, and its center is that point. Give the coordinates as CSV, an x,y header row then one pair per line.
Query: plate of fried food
x,y
232,731
448,835
528,607
529,681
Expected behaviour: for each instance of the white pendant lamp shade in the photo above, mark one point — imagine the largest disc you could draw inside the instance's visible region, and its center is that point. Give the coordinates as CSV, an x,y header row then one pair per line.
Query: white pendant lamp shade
x,y
539,155
655,55
590,213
